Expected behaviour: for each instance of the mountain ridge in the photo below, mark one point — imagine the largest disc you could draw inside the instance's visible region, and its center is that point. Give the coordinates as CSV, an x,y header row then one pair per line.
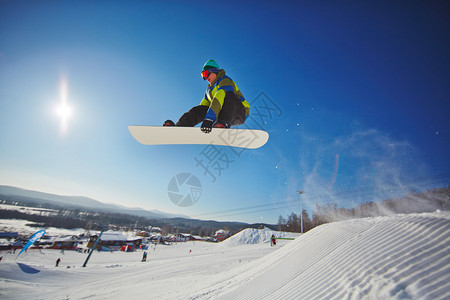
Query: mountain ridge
x,y
32,196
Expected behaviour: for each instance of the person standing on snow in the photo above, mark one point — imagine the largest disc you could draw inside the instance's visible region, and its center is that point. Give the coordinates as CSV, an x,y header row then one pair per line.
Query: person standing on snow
x,y
144,257
222,106
273,240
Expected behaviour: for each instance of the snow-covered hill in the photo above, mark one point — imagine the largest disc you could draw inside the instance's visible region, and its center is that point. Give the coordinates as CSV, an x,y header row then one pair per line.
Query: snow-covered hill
x,y
255,236
399,257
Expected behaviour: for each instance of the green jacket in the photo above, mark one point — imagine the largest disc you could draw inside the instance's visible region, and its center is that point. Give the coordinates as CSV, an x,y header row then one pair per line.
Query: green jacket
x,y
215,95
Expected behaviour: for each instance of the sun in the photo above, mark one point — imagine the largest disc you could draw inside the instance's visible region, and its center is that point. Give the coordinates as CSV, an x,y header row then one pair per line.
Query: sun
x,y
63,110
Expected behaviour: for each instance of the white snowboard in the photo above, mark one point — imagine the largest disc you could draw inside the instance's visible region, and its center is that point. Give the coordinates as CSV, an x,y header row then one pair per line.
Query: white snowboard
x,y
157,135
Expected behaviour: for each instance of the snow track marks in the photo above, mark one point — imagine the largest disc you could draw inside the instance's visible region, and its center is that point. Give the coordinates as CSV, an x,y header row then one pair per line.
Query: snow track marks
x,y
405,256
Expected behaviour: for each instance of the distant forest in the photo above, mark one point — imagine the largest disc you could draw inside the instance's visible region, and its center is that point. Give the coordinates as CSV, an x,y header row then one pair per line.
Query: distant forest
x,y
76,218
60,217
429,201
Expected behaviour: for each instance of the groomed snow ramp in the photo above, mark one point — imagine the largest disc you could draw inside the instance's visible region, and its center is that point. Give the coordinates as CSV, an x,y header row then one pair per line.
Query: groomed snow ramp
x,y
255,236
400,257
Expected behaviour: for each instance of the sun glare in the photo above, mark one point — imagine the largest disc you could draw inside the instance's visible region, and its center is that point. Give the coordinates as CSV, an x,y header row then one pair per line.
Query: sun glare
x,y
63,110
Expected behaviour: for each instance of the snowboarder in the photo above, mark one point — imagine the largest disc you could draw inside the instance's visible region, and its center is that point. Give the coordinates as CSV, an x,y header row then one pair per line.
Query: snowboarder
x,y
222,106
144,257
273,240
57,262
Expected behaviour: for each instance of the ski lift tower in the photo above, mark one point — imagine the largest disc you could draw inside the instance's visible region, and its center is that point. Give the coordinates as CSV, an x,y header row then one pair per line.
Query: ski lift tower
x,y
300,192
102,229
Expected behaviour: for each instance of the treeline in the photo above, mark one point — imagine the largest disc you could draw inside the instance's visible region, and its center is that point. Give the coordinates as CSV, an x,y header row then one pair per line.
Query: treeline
x,y
42,221
76,218
429,201
200,227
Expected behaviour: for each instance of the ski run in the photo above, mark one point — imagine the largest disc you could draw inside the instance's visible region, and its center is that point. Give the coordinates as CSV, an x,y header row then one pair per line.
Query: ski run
x,y
396,257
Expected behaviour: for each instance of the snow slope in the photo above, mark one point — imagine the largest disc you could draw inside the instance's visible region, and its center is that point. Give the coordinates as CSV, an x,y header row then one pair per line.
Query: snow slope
x,y
399,257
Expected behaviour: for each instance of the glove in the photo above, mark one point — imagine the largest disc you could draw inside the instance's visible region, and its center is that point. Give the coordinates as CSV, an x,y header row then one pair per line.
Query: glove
x,y
207,126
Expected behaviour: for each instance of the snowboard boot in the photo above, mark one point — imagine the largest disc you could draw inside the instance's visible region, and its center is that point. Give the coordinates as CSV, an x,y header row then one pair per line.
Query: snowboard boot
x,y
220,124
169,123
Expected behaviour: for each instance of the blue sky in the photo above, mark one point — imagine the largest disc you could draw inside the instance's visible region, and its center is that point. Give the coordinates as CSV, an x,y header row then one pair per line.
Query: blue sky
x,y
359,94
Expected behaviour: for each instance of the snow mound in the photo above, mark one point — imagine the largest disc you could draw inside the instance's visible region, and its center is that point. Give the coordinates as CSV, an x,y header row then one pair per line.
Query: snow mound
x,y
255,236
399,257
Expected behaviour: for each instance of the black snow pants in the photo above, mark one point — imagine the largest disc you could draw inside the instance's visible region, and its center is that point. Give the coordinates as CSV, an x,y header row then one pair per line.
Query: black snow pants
x,y
232,113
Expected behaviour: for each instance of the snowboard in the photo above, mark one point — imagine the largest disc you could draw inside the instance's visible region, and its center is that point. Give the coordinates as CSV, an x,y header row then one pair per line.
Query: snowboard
x,y
172,135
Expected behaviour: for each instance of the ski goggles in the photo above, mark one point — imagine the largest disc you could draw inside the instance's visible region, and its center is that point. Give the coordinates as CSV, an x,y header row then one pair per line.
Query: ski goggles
x,y
205,73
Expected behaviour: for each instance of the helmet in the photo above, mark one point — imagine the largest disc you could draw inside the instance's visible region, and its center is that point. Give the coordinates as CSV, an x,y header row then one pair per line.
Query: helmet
x,y
210,64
